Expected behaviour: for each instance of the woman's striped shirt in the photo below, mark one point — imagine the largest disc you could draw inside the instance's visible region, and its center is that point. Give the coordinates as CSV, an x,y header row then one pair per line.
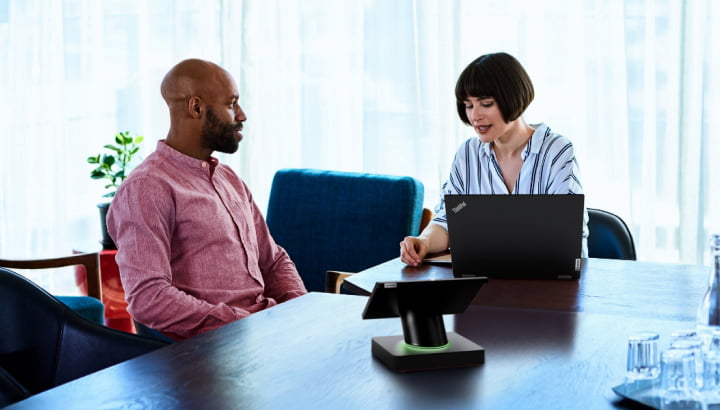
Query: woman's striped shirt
x,y
549,167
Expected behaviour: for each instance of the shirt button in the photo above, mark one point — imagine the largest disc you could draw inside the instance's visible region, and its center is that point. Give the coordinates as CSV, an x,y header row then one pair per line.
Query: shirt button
x,y
204,164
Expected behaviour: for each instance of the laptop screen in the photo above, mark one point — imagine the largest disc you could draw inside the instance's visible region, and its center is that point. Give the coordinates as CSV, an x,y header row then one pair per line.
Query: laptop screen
x,y
516,236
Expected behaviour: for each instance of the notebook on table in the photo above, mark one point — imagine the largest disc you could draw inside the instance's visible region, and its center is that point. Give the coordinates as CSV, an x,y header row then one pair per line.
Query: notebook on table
x,y
516,236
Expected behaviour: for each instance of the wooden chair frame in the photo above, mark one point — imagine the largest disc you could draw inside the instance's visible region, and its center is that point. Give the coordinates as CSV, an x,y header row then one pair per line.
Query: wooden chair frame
x,y
89,260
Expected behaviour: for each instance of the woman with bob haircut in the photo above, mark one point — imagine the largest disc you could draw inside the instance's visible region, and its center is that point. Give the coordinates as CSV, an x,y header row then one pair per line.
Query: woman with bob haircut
x,y
508,156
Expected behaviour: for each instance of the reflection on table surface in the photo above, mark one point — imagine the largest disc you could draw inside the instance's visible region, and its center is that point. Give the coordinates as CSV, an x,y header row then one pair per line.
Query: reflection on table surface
x,y
647,289
314,352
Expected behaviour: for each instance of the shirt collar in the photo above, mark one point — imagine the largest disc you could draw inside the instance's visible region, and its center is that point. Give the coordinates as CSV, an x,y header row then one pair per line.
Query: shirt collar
x,y
194,164
532,147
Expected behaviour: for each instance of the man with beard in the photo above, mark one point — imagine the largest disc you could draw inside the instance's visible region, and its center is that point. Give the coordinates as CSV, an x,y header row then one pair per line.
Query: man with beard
x,y
194,251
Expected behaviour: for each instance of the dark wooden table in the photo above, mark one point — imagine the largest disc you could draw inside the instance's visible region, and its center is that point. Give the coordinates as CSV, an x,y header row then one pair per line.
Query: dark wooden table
x,y
629,288
314,353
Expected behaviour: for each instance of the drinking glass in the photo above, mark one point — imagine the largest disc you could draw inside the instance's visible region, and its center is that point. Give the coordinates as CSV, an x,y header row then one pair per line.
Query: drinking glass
x,y
677,380
711,378
683,334
642,358
695,345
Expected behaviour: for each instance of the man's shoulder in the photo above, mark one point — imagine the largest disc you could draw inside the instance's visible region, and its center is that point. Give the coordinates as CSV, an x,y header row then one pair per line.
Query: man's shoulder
x,y
154,166
149,175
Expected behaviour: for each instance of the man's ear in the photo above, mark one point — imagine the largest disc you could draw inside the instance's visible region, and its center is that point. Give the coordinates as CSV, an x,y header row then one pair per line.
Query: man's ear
x,y
195,107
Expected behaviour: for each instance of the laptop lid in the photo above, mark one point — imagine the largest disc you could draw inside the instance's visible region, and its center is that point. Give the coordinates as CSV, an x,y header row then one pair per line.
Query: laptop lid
x,y
516,236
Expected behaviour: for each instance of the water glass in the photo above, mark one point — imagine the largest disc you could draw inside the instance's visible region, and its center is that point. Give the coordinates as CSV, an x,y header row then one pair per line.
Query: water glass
x,y
642,358
695,345
678,381
711,377
683,334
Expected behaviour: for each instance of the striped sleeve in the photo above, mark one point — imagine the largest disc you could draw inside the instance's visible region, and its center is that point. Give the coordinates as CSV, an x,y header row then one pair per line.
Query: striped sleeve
x,y
564,171
461,172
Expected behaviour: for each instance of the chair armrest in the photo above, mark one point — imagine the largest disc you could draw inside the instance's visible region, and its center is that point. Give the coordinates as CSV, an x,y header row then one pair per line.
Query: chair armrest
x,y
89,260
427,216
334,280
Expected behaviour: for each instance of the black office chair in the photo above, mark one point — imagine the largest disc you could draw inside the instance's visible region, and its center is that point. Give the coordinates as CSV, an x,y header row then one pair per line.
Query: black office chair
x,y
610,237
44,343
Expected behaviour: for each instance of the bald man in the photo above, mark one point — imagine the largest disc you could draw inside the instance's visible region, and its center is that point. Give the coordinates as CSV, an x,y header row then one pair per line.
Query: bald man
x,y
194,251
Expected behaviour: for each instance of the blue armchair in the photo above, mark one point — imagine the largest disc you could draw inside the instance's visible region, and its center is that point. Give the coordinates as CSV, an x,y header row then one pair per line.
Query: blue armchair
x,y
331,220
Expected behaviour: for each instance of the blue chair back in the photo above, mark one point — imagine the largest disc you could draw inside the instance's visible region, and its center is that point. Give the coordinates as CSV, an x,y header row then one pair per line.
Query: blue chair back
x,y
331,220
610,238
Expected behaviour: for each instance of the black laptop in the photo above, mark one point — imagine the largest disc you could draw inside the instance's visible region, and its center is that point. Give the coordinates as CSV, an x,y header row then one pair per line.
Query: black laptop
x,y
516,236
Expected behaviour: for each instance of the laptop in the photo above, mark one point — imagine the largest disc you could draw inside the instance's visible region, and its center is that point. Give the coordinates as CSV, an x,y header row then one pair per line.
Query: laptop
x,y
516,236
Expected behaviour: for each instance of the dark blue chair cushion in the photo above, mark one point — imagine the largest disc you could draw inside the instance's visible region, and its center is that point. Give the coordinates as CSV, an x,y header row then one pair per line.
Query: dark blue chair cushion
x,y
610,238
331,220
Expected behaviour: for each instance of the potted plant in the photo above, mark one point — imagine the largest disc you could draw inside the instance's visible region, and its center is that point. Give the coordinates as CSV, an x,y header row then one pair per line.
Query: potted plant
x,y
114,167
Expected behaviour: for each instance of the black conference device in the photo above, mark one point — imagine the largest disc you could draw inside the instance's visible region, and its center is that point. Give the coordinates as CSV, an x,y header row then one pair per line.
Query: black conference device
x,y
420,305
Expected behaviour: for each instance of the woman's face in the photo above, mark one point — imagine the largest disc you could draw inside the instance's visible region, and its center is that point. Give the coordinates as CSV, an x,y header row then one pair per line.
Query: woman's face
x,y
486,118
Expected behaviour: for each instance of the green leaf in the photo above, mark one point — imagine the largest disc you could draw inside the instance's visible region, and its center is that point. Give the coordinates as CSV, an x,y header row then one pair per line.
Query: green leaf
x,y
113,166
108,160
109,194
112,147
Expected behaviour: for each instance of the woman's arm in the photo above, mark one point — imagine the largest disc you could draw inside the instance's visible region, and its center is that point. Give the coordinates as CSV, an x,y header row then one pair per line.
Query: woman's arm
x,y
434,238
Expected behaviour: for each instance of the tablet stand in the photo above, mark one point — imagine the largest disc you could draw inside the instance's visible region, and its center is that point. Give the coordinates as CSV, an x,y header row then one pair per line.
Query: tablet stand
x,y
420,305
400,356
423,329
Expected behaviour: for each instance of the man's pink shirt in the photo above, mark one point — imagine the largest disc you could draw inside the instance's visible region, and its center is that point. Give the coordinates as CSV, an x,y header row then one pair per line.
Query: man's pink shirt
x,y
194,251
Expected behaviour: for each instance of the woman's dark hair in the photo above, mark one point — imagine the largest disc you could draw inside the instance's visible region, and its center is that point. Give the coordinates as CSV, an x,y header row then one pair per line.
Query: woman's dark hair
x,y
497,75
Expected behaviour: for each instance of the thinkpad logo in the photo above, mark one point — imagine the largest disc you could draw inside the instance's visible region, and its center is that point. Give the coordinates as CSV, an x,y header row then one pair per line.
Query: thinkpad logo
x,y
460,206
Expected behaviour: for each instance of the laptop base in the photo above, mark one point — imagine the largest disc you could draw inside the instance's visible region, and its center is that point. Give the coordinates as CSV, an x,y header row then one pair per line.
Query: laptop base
x,y
397,355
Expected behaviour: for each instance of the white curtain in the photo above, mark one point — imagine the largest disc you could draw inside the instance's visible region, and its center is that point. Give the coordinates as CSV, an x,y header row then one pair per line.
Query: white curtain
x,y
364,86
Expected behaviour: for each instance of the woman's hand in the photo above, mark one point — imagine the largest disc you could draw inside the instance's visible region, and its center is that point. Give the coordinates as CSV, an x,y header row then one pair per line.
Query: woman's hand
x,y
413,249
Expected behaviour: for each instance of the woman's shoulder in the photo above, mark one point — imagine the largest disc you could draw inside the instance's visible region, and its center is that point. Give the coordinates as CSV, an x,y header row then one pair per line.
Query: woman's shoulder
x,y
548,138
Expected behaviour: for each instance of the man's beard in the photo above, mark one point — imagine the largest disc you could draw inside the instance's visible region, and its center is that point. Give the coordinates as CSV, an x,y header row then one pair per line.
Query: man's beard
x,y
219,136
